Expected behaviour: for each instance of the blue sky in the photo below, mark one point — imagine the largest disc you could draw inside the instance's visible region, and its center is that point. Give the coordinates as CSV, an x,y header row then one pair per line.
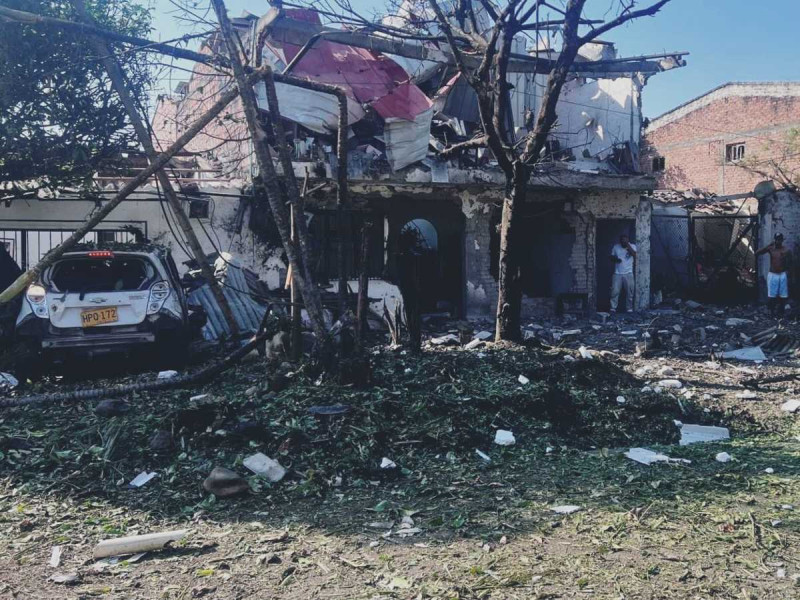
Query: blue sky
x,y
729,40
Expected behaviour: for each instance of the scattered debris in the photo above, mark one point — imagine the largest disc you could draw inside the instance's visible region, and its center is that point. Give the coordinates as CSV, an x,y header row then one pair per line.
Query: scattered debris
x,y
666,372
692,304
736,322
169,374
567,509
670,384
141,479
585,353
694,434
476,343
55,556
483,455
263,465
747,395
445,340
137,543
769,470
387,463
504,438
161,441
523,380
483,335
8,381
620,399
790,406
754,353
629,332
648,457
723,457
65,578
224,483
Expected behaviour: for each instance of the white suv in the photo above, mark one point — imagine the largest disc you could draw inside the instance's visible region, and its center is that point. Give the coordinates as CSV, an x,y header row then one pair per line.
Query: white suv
x,y
109,299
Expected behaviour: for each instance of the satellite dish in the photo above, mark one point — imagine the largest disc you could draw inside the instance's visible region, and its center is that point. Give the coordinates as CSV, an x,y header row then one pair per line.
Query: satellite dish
x,y
764,189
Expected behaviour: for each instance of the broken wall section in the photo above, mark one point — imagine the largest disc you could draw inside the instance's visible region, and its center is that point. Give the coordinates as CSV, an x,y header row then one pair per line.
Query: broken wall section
x,y
779,213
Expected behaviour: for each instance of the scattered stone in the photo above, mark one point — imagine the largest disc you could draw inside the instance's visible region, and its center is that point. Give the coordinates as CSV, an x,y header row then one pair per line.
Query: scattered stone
x,y
113,407
701,334
648,457
55,556
476,343
445,340
769,470
161,441
387,463
736,322
747,395
692,304
678,328
647,389
711,328
169,374
8,381
504,438
642,371
523,380
675,340
585,353
224,483
597,327
666,372
566,509
620,399
790,406
569,358
251,391
723,457
65,578
670,384
263,465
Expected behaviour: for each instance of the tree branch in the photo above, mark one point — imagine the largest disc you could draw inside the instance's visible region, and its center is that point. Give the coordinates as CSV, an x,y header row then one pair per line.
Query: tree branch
x,y
623,18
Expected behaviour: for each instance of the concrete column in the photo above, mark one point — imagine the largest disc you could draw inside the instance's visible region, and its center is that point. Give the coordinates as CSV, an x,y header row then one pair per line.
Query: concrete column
x,y
644,213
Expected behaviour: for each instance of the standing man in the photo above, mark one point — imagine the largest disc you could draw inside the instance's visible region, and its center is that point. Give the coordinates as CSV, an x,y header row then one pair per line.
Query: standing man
x,y
777,278
623,254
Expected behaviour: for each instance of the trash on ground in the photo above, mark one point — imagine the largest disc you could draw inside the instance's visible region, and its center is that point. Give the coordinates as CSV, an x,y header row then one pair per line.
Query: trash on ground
x,y
566,509
169,374
747,395
141,479
621,400
629,332
769,470
483,455
8,381
445,340
523,380
387,463
723,457
670,384
693,434
198,397
55,556
735,322
585,353
263,465
137,543
648,457
504,438
224,483
65,578
790,406
472,345
750,353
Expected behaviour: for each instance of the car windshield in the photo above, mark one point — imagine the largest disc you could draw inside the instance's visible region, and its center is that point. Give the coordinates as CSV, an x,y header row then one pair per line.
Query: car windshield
x,y
85,274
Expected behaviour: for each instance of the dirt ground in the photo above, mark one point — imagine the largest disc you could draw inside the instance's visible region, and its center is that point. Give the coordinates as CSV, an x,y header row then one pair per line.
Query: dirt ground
x,y
445,523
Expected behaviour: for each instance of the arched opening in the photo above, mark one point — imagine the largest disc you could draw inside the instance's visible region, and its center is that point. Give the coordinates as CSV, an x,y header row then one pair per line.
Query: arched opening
x,y
418,249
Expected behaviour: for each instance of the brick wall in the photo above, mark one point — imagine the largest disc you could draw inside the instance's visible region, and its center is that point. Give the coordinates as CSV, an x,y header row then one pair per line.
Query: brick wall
x,y
693,139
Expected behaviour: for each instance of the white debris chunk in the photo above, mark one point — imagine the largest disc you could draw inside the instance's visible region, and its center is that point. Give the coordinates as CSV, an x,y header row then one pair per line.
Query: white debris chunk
x,y
476,343
449,339
735,322
747,395
642,371
790,406
7,380
693,434
141,479
523,380
167,374
769,470
198,397
263,465
483,335
723,457
585,353
666,372
620,399
567,509
750,353
388,464
629,332
483,455
504,438
55,556
569,358
648,457
670,384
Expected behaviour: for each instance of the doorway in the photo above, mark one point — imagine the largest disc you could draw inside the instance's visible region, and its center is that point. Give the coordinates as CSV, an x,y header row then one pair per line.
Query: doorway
x,y
607,234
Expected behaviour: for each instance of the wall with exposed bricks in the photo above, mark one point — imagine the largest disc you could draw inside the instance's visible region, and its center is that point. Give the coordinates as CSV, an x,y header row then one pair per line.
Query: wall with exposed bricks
x,y
693,138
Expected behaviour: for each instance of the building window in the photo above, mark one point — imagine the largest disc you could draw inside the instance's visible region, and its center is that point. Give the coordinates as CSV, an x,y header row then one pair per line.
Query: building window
x,y
198,208
734,152
659,163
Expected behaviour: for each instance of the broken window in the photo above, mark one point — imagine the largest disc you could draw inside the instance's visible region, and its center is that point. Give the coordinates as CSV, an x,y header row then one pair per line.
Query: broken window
x,y
734,152
659,164
199,208
94,275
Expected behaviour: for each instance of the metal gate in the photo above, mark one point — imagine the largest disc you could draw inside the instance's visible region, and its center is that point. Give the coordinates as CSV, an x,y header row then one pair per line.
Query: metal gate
x,y
710,256
28,246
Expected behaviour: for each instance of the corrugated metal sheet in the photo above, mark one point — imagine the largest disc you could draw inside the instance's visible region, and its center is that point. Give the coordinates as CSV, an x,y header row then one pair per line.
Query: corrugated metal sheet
x,y
247,311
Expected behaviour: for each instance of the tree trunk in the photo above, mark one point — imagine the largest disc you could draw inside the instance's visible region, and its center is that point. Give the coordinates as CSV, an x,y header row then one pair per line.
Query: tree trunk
x,y
269,180
509,293
29,276
117,81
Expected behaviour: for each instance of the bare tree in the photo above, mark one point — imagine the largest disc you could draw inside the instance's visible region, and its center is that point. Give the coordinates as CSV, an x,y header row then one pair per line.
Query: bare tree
x,y
777,160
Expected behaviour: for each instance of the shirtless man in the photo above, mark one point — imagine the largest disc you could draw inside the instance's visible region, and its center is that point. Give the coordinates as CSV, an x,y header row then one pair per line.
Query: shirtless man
x,y
777,278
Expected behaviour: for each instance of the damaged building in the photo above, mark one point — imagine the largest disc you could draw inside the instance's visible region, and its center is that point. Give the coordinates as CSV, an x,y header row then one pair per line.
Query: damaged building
x,y
405,104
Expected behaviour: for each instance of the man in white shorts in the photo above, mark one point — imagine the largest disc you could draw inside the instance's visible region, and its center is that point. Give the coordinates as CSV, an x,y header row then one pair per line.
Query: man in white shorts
x,y
777,278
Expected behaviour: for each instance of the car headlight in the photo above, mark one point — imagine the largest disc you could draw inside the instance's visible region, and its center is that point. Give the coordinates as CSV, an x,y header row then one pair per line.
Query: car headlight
x,y
37,298
159,292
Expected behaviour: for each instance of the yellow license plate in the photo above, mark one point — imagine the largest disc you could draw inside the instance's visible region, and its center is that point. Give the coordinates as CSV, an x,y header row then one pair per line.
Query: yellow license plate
x,y
99,316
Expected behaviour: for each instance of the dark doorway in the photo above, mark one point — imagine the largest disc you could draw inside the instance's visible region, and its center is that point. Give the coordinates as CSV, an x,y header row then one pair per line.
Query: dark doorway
x,y
608,232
